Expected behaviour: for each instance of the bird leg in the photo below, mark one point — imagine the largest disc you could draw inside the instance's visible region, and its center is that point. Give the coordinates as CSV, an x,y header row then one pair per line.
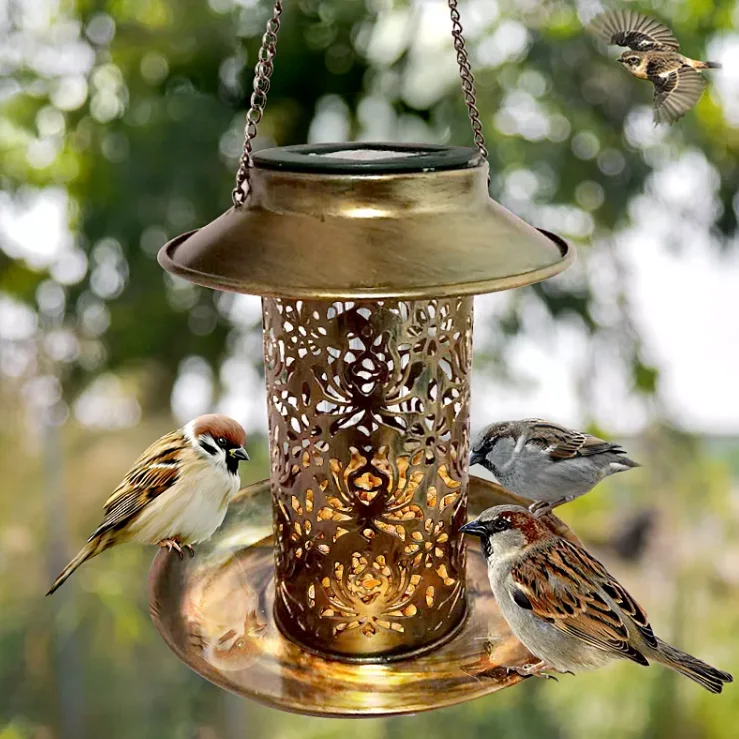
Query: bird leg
x,y
542,508
536,670
172,544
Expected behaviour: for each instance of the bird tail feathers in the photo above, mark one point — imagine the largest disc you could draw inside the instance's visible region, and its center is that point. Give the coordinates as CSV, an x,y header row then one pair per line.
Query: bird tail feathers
x,y
621,463
707,65
90,550
709,677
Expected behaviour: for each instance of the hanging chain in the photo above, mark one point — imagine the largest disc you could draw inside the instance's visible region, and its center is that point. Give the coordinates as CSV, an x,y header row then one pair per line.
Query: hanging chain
x,y
468,80
265,67
262,73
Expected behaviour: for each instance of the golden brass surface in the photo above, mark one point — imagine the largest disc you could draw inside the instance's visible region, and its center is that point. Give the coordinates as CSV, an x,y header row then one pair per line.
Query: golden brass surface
x,y
341,236
366,257
215,612
369,437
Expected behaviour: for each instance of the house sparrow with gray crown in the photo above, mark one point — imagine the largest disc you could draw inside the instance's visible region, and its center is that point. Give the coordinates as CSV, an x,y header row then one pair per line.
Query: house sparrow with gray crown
x,y
176,494
563,605
544,462
653,55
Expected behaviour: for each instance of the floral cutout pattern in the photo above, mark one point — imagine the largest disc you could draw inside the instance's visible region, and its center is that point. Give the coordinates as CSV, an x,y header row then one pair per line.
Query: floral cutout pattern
x,y
368,409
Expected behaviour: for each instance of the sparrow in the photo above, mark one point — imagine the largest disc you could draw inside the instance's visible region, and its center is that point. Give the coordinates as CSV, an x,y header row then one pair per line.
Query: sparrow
x,y
654,56
176,494
544,462
563,605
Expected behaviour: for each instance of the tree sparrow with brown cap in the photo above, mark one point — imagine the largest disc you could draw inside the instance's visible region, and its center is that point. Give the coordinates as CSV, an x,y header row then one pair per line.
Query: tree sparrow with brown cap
x,y
564,606
176,494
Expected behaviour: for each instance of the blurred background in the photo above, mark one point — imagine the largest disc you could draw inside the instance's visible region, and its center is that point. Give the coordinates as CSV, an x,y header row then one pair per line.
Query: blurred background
x,y
120,127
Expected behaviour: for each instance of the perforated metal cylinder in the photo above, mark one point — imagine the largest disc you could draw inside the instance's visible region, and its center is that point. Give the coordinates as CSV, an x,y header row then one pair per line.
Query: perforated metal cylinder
x,y
369,436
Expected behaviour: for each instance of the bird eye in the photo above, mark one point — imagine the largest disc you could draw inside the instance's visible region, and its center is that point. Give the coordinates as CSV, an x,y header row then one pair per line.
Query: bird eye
x,y
501,524
221,441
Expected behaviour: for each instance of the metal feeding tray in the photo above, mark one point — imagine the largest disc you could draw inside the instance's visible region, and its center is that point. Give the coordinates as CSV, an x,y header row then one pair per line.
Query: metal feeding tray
x,y
216,612
360,600
343,586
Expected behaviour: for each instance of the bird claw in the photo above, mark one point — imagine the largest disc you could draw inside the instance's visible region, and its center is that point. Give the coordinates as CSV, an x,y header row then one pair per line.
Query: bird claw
x,y
172,544
190,549
540,508
533,670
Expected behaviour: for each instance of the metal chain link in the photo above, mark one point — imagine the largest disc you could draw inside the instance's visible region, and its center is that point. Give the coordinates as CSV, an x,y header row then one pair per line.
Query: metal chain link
x,y
468,80
265,67
262,73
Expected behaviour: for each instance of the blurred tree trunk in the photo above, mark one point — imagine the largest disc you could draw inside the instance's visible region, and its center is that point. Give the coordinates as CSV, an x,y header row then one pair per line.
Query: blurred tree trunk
x,y
64,632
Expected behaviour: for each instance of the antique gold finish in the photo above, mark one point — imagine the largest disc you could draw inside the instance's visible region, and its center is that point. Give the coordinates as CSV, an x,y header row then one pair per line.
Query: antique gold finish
x,y
369,423
366,256
216,613
417,222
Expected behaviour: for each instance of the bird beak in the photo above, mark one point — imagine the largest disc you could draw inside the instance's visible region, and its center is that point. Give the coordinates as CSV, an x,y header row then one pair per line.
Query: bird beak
x,y
474,528
240,453
476,458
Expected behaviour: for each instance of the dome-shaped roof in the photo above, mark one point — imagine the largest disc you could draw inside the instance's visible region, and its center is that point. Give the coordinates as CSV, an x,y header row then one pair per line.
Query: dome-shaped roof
x,y
340,221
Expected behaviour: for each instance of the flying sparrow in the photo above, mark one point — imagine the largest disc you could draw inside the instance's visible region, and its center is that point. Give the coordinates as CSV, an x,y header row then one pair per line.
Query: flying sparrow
x,y
545,462
563,605
176,494
654,56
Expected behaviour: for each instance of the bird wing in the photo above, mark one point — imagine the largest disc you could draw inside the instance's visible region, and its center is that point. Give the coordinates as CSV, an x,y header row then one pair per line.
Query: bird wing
x,y
675,92
154,472
564,443
566,587
634,30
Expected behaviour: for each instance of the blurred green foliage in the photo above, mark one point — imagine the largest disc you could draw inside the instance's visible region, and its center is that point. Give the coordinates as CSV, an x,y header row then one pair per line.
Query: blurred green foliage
x,y
135,109
143,116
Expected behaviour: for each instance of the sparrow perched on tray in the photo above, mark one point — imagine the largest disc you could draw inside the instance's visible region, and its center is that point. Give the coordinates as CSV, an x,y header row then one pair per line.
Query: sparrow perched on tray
x,y
544,462
563,605
654,56
176,494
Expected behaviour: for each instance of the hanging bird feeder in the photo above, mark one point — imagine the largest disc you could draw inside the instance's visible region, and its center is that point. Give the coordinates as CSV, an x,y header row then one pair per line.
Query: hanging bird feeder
x,y
355,594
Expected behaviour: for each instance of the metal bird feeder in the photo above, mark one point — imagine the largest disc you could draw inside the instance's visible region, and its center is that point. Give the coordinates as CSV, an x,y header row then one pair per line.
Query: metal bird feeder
x,y
355,596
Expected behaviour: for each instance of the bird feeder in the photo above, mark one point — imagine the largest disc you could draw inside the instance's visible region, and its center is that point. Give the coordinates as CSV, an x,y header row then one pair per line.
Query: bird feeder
x,y
356,595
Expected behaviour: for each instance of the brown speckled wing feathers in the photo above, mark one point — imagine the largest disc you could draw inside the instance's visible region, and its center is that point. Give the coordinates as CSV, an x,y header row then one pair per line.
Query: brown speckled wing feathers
x,y
565,443
565,586
675,93
633,30
155,472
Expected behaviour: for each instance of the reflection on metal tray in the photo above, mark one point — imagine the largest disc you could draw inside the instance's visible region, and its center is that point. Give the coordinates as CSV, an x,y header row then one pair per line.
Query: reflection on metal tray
x,y
215,611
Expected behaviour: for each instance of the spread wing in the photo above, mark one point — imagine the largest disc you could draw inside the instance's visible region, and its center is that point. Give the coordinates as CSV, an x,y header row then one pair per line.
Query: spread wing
x,y
632,29
155,472
564,443
563,585
675,92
